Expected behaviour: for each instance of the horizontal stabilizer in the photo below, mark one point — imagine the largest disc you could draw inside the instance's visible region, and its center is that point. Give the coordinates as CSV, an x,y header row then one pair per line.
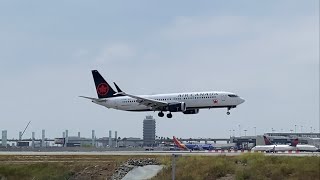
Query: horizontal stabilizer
x,y
93,99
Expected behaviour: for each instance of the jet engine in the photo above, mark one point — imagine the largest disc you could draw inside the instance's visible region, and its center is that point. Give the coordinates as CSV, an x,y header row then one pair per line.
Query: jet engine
x,y
177,107
192,111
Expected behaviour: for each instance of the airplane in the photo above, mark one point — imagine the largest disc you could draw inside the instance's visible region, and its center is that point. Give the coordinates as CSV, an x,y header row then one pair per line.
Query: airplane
x,y
299,147
269,147
192,147
187,103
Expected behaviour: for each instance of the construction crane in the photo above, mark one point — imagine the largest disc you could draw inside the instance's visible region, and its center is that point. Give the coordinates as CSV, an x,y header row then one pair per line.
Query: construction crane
x,y
25,129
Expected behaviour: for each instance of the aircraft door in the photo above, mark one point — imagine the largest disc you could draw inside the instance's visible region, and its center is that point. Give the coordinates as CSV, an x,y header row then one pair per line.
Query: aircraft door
x,y
223,98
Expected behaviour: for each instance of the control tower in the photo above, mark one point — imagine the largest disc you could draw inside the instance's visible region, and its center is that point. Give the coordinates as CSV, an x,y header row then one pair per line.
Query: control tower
x,y
149,131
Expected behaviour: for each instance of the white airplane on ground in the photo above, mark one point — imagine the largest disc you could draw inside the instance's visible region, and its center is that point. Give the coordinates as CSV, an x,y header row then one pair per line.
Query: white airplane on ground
x,y
294,146
187,103
269,147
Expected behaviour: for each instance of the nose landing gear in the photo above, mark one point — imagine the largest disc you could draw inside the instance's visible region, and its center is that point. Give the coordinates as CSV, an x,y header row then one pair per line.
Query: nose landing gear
x,y
228,111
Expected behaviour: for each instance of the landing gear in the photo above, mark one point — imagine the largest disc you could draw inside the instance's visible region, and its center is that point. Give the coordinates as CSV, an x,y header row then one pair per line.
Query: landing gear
x,y
160,114
228,111
169,115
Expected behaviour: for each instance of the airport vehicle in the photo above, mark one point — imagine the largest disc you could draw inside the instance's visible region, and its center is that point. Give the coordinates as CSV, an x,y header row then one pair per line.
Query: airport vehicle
x,y
192,146
187,103
298,147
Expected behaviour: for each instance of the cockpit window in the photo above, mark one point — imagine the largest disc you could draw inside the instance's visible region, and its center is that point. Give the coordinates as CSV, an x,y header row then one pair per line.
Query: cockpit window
x,y
232,95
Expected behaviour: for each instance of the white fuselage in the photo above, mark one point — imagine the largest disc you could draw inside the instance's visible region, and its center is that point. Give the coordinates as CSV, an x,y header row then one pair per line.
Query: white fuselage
x,y
305,147
193,100
275,147
299,147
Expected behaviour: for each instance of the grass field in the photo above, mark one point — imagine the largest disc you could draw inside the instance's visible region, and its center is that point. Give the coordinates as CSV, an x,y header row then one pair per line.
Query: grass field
x,y
17,167
247,166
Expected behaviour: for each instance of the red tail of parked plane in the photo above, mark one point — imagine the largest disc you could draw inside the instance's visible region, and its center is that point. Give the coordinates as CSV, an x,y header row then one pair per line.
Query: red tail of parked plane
x,y
267,141
179,144
293,142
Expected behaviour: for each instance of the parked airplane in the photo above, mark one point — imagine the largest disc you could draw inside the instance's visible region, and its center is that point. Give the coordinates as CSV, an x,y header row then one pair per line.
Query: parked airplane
x,y
269,147
299,147
191,146
187,103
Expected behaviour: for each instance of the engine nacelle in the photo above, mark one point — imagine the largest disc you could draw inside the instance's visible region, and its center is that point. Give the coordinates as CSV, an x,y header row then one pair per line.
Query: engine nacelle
x,y
192,111
177,107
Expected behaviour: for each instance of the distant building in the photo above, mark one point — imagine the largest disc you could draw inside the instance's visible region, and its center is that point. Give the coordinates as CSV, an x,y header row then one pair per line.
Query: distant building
x,y
149,131
294,135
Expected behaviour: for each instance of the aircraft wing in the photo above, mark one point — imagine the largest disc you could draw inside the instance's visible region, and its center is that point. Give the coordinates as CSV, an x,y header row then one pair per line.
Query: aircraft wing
x,y
154,104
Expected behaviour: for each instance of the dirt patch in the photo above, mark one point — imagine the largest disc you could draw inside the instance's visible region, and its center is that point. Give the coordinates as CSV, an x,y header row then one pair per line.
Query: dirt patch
x,y
228,177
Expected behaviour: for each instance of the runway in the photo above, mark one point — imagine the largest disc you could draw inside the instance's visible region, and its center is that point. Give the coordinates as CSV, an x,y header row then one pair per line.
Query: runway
x,y
152,153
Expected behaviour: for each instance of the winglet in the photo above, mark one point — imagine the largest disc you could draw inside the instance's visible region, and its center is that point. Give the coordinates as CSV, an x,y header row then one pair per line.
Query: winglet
x,y
117,87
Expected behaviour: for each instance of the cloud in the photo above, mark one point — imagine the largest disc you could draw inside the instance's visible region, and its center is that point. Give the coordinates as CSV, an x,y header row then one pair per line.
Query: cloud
x,y
116,52
245,39
206,26
80,53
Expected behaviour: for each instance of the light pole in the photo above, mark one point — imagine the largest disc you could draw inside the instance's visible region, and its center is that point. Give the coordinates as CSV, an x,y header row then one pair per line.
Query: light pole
x,y
233,132
301,128
174,156
311,129
255,131
295,128
245,132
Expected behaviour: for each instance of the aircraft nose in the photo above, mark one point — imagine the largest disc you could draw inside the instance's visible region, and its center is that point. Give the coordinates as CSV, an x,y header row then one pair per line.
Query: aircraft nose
x,y
242,100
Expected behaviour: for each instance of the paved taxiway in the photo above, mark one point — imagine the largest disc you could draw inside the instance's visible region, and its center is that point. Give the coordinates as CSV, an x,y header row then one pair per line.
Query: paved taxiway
x,y
158,153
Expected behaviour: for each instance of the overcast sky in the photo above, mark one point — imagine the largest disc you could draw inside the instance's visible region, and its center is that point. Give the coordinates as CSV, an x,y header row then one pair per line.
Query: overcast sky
x,y
265,51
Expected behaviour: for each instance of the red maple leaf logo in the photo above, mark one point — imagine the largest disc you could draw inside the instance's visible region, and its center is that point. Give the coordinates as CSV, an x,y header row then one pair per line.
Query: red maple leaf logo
x,y
215,101
103,89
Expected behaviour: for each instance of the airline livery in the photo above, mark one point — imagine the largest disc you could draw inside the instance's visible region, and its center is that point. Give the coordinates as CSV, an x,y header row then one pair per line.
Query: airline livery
x,y
269,147
187,103
192,147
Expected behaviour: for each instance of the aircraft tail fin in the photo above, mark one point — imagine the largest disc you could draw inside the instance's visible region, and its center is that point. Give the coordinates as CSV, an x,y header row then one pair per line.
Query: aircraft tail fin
x,y
294,142
104,90
267,141
178,143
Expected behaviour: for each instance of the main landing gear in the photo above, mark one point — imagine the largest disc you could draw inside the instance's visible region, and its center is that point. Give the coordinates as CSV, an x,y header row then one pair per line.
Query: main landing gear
x,y
161,114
